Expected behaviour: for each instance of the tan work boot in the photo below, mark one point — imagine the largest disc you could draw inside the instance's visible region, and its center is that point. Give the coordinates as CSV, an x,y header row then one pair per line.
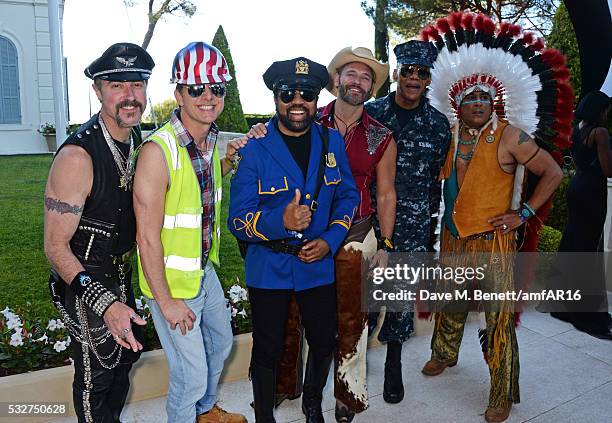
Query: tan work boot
x,y
219,415
434,367
498,414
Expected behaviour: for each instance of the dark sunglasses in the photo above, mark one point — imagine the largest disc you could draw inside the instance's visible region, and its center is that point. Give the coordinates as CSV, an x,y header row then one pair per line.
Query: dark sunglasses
x,y
422,71
195,91
287,96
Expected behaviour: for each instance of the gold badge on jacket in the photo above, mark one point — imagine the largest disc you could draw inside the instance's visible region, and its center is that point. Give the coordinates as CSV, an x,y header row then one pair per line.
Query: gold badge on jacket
x,y
301,67
330,160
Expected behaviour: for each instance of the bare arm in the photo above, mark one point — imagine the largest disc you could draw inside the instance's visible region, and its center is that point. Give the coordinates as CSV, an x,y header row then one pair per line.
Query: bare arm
x,y
69,184
150,187
525,151
386,197
604,151
70,181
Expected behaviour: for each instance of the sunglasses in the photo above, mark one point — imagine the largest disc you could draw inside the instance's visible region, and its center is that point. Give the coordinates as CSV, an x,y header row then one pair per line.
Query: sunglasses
x,y
287,96
195,91
422,71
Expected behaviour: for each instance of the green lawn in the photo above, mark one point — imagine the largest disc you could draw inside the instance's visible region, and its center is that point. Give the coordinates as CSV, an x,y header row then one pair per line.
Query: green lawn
x,y
23,267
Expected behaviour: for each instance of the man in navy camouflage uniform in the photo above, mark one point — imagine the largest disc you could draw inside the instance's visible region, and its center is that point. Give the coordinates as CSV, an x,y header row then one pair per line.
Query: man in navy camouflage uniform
x,y
423,137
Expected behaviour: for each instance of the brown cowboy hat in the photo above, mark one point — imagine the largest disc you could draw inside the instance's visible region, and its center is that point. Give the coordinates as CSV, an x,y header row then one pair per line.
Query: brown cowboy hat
x,y
358,54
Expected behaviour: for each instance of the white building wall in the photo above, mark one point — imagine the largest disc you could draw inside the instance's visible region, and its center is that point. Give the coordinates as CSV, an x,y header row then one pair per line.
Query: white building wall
x,y
25,23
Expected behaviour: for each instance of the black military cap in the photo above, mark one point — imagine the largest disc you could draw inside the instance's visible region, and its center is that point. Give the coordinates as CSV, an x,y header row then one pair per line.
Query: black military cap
x,y
296,73
416,52
122,62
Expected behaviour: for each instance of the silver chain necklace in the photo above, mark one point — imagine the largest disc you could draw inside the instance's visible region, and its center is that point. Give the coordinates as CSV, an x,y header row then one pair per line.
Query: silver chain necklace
x,y
125,165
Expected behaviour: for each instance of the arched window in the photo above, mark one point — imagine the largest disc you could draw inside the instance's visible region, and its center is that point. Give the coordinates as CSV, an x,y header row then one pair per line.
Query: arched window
x,y
10,110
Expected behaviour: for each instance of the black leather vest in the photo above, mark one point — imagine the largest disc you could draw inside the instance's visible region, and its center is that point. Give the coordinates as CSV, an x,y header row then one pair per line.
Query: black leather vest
x,y
108,225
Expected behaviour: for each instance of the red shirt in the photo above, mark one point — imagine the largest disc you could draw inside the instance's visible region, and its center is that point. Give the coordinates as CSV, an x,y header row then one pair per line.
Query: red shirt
x,y
365,144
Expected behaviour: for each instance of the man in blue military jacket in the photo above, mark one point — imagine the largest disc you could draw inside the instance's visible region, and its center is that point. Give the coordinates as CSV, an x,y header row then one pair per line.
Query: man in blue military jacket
x,y
292,201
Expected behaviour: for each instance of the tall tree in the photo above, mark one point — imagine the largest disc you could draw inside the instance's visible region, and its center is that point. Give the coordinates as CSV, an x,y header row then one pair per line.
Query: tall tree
x,y
563,38
381,41
407,17
232,119
167,7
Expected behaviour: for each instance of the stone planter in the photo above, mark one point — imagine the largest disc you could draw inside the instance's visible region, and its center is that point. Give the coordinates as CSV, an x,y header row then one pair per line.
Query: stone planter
x,y
51,143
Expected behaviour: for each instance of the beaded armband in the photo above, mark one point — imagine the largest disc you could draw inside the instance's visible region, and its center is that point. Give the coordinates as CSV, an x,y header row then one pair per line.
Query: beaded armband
x,y
525,212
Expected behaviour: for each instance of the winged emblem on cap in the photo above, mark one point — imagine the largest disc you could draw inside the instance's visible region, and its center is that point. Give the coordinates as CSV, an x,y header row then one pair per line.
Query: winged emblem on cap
x,y
301,67
127,61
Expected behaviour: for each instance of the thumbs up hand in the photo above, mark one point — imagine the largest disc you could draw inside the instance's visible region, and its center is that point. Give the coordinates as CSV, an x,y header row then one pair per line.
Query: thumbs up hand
x,y
296,217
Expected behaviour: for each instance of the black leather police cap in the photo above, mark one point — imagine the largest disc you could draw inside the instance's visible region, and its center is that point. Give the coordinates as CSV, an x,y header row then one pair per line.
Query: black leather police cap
x,y
122,62
296,73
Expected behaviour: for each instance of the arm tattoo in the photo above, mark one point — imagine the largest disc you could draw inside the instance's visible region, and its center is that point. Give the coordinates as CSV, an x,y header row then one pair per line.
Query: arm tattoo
x,y
53,204
523,138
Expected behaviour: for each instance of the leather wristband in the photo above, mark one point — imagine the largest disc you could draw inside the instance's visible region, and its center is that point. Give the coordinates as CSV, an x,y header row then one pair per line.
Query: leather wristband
x,y
386,244
92,293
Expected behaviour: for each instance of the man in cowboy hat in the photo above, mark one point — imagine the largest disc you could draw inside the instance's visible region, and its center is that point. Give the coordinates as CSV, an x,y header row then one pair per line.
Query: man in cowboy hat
x,y
90,234
355,75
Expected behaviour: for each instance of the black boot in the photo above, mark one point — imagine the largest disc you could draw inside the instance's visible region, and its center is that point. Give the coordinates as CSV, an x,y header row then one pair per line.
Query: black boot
x,y
264,384
393,391
317,369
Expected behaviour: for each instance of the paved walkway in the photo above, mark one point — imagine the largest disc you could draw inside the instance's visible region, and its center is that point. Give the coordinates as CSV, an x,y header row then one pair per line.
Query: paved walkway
x,y
566,376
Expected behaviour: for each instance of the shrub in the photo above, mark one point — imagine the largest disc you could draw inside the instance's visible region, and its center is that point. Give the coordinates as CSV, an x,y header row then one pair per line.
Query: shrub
x,y
549,240
558,213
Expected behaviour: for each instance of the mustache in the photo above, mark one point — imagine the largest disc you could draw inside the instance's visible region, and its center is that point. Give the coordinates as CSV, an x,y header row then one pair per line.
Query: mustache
x,y
130,103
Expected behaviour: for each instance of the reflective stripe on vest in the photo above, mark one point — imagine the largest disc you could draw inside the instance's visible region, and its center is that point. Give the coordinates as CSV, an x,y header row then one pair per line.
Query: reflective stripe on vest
x,y
181,234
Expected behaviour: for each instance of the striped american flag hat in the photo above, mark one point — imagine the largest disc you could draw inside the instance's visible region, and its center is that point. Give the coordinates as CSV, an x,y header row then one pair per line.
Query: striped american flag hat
x,y
199,63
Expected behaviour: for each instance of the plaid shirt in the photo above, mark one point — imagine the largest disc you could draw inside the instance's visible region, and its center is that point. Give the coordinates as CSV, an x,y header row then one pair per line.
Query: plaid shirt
x,y
202,165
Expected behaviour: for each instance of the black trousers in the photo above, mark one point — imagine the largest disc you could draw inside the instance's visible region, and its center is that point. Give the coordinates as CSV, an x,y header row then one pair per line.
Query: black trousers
x,y
99,394
270,307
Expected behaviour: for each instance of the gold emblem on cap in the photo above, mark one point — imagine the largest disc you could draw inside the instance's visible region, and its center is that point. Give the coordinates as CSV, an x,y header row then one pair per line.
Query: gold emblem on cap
x,y
301,67
330,160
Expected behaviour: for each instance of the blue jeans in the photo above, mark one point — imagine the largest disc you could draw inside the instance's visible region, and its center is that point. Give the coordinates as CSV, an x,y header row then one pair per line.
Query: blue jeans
x,y
195,360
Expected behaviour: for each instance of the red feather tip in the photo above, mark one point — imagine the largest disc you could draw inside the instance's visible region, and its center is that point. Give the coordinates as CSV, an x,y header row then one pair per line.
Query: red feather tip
x,y
561,74
538,45
563,114
557,156
489,26
562,142
553,58
503,28
424,34
455,20
514,30
562,128
468,21
527,38
479,22
443,25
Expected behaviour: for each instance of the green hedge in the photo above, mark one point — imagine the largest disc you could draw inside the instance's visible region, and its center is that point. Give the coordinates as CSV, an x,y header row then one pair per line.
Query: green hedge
x,y
558,213
549,240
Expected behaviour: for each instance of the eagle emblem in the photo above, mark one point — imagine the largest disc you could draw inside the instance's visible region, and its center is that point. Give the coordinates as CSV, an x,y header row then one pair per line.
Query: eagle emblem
x,y
127,61
301,67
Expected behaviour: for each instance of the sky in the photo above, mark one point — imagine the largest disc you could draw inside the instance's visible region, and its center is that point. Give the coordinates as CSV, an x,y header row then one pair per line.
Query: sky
x,y
258,33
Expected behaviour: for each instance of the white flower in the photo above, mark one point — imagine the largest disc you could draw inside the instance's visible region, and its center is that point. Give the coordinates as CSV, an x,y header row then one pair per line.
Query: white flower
x,y
60,324
14,322
139,303
234,311
67,340
59,346
52,325
5,312
237,293
16,339
243,313
43,338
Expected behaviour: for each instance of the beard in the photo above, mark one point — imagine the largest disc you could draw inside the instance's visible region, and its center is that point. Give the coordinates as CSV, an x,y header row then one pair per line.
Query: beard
x,y
354,99
297,126
128,103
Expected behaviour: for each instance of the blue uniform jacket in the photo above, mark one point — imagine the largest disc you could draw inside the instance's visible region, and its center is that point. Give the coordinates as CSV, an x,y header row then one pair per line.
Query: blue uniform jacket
x,y
264,183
